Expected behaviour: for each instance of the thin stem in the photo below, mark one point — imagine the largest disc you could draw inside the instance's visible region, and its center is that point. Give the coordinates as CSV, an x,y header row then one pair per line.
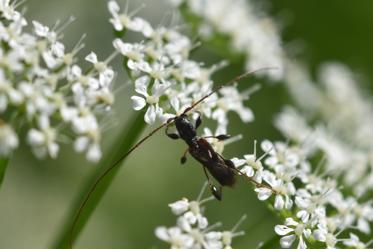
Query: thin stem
x,y
239,222
202,191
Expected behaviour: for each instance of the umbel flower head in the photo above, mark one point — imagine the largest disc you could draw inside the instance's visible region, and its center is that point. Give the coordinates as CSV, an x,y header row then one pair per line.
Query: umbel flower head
x,y
192,229
250,32
166,80
44,92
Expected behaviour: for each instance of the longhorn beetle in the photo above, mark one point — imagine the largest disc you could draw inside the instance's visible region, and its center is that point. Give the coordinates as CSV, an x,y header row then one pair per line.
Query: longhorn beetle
x,y
223,170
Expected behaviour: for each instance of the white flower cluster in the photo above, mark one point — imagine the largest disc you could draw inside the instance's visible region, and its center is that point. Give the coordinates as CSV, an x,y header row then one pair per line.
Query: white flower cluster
x,y
315,210
250,32
166,80
44,94
342,130
192,229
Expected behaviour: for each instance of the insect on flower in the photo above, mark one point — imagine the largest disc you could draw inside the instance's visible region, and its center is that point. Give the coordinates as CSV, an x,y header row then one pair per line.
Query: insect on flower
x,y
223,170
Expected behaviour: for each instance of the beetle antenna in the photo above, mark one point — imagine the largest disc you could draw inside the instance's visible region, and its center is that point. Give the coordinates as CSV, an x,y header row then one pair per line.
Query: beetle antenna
x,y
170,121
232,81
107,171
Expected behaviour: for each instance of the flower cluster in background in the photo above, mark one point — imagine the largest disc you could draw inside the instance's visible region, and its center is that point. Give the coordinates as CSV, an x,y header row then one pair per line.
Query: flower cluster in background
x,y
192,229
249,31
308,197
320,181
45,96
301,179
339,118
166,80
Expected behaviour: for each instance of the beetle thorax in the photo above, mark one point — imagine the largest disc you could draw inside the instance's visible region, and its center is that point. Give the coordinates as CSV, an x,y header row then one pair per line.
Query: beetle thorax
x,y
186,129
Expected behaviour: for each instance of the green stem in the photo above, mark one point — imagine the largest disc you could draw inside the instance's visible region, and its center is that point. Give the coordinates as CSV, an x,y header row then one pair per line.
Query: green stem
x,y
125,141
3,164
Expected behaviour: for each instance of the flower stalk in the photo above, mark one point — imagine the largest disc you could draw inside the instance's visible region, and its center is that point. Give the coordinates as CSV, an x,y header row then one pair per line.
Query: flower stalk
x,y
125,141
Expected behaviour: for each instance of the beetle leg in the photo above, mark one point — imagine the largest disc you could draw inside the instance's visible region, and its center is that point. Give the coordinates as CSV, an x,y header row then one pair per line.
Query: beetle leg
x,y
198,120
171,135
219,137
184,158
215,191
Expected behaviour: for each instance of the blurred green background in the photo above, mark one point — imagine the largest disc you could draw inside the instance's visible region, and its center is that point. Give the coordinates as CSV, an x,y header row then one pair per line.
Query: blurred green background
x,y
36,195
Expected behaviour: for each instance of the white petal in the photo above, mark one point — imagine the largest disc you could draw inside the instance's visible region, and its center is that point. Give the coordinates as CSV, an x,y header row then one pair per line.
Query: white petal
x,y
288,202
263,193
122,47
40,29
144,66
58,49
184,224
363,226
283,230
133,65
303,215
113,7
53,149
291,222
279,202
141,85
319,235
179,207
159,89
81,144
35,137
302,244
150,115
266,145
237,162
287,241
202,222
91,57
138,103
94,153
161,233
271,161
190,217
245,114
139,24
249,171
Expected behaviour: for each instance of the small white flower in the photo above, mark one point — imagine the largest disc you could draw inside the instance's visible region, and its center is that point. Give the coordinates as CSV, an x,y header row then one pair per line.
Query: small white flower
x,y
179,207
232,100
252,165
354,242
43,141
40,29
312,206
283,191
106,74
175,237
291,231
123,21
279,154
152,99
134,53
8,139
322,234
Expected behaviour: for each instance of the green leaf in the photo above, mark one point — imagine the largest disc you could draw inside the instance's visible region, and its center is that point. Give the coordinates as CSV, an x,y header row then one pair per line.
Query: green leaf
x,y
123,143
3,164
